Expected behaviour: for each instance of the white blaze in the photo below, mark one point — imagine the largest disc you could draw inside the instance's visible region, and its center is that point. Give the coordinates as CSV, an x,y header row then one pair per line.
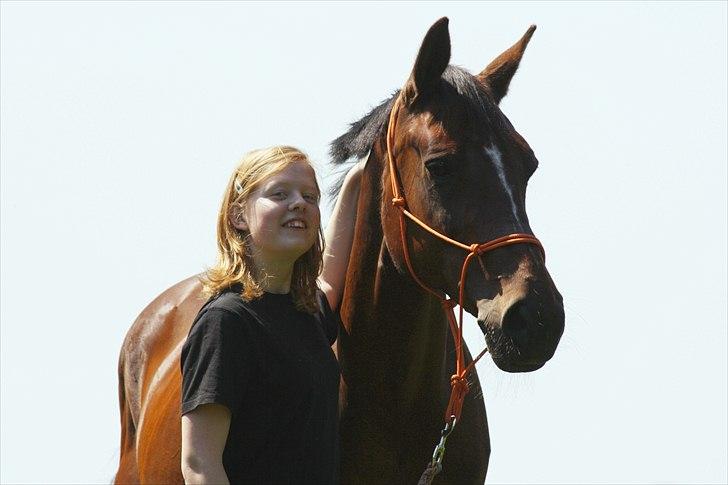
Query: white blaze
x,y
495,156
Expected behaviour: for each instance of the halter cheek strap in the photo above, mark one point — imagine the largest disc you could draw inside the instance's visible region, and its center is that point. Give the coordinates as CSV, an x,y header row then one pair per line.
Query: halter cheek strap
x,y
458,382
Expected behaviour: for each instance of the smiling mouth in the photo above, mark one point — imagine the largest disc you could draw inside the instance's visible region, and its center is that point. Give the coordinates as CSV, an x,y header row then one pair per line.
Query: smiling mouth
x,y
297,224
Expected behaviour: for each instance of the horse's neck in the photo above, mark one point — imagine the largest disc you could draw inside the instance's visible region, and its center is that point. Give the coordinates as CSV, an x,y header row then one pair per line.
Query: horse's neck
x,y
394,344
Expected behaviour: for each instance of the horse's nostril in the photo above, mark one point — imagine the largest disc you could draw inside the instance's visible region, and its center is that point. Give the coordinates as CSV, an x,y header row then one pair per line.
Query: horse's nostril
x,y
517,324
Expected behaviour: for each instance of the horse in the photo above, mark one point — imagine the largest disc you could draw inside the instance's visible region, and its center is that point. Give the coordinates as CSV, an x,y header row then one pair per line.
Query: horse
x,y
463,169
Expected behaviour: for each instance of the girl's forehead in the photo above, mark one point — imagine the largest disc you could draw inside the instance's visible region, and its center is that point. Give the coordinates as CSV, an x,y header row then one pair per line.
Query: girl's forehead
x,y
300,173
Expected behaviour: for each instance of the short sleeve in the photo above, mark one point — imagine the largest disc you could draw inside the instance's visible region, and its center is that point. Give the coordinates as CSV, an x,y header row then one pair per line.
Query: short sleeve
x,y
216,361
330,320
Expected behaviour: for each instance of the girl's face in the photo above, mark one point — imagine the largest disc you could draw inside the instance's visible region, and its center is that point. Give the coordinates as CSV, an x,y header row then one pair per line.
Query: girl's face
x,y
282,215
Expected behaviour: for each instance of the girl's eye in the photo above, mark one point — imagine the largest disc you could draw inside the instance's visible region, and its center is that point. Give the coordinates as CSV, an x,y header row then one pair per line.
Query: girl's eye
x,y
279,195
311,198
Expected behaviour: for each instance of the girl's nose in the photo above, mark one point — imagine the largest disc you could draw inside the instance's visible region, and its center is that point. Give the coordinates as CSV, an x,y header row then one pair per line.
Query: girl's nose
x,y
297,203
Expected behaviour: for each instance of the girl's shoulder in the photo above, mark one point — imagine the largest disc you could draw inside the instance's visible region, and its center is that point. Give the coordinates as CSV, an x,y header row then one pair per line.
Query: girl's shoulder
x,y
224,309
228,299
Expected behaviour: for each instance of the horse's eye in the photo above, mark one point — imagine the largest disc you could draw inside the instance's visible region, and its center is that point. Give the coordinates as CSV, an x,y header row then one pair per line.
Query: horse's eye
x,y
438,167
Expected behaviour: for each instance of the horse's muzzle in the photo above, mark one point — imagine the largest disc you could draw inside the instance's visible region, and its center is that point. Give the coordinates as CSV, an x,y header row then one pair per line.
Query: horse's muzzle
x,y
522,334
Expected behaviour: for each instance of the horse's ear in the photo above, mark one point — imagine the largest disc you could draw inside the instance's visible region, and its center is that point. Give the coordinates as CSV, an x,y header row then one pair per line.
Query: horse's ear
x,y
497,76
432,59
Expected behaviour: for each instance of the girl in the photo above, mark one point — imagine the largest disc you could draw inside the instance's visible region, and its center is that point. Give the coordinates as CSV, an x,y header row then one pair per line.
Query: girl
x,y
260,381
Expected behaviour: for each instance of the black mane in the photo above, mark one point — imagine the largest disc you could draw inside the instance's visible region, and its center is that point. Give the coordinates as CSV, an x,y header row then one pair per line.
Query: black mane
x,y
356,143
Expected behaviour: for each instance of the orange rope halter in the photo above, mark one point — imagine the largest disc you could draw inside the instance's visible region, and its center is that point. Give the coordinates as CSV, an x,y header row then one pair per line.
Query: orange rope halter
x,y
458,382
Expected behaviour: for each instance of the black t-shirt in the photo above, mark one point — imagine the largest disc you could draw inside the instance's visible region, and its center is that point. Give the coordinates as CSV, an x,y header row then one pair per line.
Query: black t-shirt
x,y
273,368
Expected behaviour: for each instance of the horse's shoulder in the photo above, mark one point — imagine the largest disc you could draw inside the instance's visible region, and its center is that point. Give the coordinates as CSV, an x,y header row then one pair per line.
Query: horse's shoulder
x,y
163,324
155,337
169,314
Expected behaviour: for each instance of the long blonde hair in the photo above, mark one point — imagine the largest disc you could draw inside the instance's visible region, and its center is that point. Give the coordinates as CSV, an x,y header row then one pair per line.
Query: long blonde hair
x,y
234,265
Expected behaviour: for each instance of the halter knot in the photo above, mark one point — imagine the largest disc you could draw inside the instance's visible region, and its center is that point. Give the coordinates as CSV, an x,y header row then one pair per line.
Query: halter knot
x,y
398,201
459,384
475,248
460,388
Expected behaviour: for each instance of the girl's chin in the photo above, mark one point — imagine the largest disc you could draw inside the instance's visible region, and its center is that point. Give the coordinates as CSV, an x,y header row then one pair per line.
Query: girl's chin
x,y
289,248
294,251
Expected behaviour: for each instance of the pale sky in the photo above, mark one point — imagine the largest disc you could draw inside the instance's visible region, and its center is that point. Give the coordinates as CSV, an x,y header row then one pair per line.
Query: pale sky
x,y
120,123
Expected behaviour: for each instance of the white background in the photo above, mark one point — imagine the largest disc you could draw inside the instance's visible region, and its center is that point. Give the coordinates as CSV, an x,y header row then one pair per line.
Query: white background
x,y
121,123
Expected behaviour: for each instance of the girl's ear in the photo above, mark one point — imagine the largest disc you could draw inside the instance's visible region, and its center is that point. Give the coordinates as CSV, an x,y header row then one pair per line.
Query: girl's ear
x,y
237,218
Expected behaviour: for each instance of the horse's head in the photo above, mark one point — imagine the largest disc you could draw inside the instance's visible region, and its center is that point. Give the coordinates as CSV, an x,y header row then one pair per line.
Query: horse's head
x,y
463,169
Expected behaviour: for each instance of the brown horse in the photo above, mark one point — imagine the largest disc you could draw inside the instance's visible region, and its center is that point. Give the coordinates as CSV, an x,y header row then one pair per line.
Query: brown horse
x,y
464,170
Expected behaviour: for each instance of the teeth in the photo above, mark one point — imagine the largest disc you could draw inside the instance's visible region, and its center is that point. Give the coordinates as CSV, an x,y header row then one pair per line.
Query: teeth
x,y
296,224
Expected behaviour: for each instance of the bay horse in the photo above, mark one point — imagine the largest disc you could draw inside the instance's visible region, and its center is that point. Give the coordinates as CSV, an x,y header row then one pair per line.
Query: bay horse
x,y
464,170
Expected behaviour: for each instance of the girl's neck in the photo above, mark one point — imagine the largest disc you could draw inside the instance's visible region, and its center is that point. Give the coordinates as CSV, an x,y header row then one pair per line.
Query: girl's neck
x,y
275,276
272,284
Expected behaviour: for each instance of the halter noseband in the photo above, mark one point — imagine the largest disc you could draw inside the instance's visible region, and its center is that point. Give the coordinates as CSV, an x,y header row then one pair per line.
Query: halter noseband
x,y
458,382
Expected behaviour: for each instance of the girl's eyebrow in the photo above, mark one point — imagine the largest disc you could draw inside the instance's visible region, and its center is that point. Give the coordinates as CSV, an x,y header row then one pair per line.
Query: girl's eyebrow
x,y
286,184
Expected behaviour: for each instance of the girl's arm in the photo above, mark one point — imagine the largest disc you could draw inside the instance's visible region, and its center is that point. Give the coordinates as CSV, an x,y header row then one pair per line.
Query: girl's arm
x,y
339,236
204,432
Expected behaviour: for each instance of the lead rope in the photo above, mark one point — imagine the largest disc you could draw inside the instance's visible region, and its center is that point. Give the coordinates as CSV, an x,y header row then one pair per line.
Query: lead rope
x,y
458,382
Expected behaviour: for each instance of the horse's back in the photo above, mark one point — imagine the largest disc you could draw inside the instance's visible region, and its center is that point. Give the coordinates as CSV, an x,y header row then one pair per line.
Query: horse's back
x,y
150,383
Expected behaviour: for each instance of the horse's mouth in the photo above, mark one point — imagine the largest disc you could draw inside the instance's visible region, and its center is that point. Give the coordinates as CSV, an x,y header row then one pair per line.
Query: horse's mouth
x,y
508,365
514,355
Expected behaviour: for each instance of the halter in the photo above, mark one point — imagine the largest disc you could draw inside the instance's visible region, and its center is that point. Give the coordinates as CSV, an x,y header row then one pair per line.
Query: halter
x,y
458,382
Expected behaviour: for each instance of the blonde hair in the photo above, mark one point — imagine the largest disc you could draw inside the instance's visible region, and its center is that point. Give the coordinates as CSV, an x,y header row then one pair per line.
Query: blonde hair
x,y
234,264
